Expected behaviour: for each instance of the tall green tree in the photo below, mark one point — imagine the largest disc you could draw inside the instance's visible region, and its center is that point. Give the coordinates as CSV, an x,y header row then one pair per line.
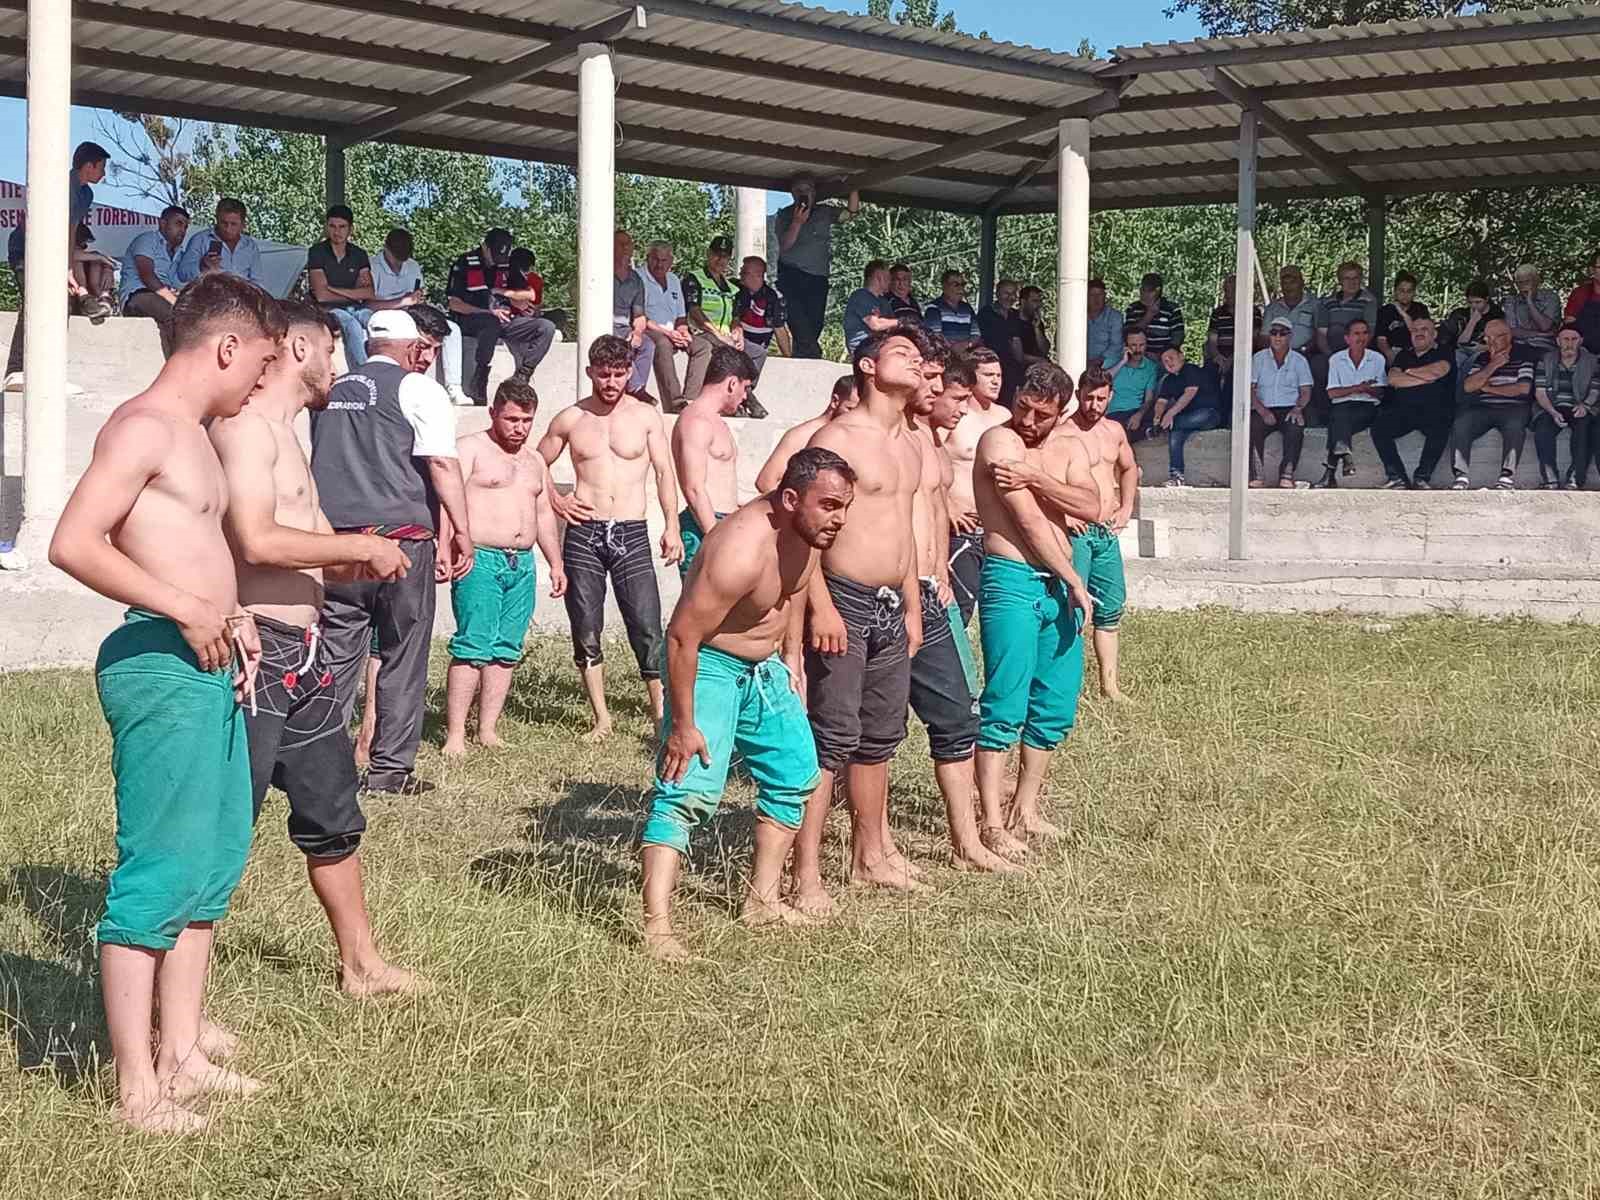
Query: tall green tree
x,y
1227,18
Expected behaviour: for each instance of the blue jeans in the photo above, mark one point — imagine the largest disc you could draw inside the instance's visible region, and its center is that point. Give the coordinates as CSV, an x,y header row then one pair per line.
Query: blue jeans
x,y
1192,419
353,329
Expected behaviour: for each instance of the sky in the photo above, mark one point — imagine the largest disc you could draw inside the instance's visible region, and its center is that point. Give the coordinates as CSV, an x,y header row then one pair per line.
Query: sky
x,y
1047,24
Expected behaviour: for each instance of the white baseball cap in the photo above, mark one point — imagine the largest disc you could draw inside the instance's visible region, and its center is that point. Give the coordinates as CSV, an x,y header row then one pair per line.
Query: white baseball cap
x,y
393,325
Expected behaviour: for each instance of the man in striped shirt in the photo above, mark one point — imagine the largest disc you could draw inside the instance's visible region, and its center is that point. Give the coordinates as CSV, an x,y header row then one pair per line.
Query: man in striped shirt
x,y
1160,319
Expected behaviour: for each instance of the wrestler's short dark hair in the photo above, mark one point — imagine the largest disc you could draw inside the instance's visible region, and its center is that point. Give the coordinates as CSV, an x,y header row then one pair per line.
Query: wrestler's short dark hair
x,y
842,387
919,337
516,391
430,322
1046,381
811,462
981,356
960,371
218,302
727,363
1094,378
936,349
870,347
306,314
609,350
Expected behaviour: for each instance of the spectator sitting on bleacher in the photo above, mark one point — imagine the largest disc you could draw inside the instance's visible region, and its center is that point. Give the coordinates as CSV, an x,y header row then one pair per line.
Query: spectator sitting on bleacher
x,y
1159,319
1533,311
1583,306
1186,403
1566,393
224,247
1462,331
951,315
666,321
1499,391
1347,302
1280,393
1133,382
149,273
1219,333
339,274
708,294
1395,318
397,283
907,308
1104,332
1357,377
479,282
761,315
1027,327
1421,398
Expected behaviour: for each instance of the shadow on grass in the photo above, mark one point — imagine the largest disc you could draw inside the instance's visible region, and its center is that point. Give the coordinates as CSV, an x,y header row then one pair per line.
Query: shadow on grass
x,y
51,1007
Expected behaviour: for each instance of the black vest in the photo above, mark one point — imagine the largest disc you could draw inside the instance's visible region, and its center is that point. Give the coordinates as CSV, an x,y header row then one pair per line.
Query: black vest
x,y
361,453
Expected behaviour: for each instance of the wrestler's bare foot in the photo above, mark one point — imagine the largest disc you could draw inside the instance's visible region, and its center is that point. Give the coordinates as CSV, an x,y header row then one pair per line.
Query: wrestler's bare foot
x,y
977,858
600,732
814,903
1113,694
1037,827
885,874
156,1114
758,913
662,944
1003,842
384,980
900,862
488,738
196,1076
216,1043
454,747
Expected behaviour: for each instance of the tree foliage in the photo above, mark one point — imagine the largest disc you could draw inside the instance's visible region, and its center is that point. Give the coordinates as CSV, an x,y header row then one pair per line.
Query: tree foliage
x,y
1227,18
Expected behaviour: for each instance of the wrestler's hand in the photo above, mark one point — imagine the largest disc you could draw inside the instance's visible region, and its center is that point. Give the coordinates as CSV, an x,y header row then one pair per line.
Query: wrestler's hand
x,y
1119,521
1081,597
684,743
569,507
385,560
1016,473
461,554
203,629
441,565
1072,525
797,677
246,637
946,593
671,547
965,522
828,635
913,638
558,581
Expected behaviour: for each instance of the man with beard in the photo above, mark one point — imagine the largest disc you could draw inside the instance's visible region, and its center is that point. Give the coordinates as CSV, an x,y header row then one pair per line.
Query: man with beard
x,y
1028,603
616,441
984,412
734,673
866,621
508,502
284,548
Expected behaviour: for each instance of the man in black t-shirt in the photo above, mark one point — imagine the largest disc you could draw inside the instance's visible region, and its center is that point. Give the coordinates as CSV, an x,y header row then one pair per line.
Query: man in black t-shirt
x,y
340,275
1395,319
1421,398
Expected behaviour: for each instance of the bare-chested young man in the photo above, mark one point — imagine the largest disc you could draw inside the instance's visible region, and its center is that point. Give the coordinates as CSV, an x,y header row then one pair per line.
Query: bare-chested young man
x,y
984,412
704,451
842,399
1031,605
944,677
144,527
734,679
284,548
616,442
1095,526
866,620
508,503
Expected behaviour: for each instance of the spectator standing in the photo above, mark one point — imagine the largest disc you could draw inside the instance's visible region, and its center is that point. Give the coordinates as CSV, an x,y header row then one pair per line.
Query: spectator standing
x,y
1421,398
1219,332
907,308
666,320
1186,403
479,280
868,310
340,275
1159,319
1133,381
150,273
1583,306
709,295
1499,391
1357,376
1347,302
1104,325
397,283
761,315
1280,393
1533,311
1566,394
950,314
225,247
995,327
1032,342
384,457
1395,319
805,259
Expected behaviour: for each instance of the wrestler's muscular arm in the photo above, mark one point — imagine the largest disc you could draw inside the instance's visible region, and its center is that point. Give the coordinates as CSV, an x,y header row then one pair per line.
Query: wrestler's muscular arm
x,y
828,635
128,454
551,447
465,457
691,452
546,533
1127,480
912,461
771,473
1035,527
666,488
1076,499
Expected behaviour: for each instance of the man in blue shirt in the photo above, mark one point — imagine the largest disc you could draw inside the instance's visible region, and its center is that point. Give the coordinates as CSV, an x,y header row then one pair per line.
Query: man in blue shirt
x,y
950,314
150,273
868,311
224,247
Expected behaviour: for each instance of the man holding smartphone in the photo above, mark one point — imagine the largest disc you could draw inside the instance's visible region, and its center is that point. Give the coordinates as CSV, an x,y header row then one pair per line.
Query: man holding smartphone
x,y
225,247
805,257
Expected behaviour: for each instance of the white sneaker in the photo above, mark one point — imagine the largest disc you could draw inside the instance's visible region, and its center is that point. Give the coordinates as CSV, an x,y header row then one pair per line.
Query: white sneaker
x,y
12,559
459,398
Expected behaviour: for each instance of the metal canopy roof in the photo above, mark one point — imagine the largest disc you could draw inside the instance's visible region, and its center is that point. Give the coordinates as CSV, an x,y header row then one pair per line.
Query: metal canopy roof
x,y
750,91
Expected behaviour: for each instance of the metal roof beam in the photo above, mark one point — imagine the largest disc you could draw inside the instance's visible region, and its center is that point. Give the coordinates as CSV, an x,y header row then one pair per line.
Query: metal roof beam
x,y
1021,179
440,17
978,143
1288,48
1285,130
619,25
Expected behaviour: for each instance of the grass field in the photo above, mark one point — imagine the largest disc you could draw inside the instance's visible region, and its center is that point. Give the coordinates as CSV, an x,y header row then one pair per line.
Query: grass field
x,y
1327,924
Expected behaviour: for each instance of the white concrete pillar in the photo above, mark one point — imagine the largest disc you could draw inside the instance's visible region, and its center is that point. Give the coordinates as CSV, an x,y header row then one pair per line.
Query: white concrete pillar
x,y
1243,322
597,197
750,226
1072,250
44,349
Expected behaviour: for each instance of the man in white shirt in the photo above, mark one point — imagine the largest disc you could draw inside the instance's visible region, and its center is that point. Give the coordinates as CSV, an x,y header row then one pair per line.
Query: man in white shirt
x,y
1357,378
397,283
666,319
1280,391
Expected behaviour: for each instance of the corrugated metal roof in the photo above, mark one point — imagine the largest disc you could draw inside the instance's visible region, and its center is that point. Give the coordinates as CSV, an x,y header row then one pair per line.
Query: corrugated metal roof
x,y
752,91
